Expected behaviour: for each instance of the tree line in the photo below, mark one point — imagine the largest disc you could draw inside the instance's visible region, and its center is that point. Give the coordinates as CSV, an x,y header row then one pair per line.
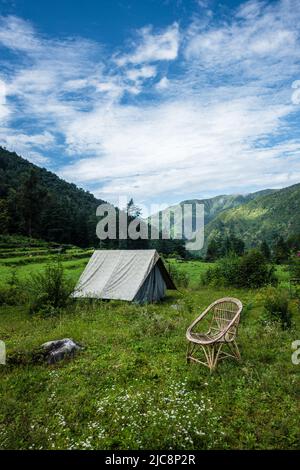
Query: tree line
x,y
38,204
279,251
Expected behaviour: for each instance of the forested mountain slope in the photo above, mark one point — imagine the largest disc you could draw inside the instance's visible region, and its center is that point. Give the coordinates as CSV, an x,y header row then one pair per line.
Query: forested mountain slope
x,y
267,217
35,202
212,207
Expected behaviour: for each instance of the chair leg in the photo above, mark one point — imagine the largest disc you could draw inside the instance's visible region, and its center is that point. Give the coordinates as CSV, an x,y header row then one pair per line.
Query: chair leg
x,y
218,349
236,351
188,359
212,353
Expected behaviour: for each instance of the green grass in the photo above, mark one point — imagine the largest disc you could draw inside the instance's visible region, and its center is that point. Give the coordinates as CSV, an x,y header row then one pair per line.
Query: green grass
x,y
194,268
73,269
131,388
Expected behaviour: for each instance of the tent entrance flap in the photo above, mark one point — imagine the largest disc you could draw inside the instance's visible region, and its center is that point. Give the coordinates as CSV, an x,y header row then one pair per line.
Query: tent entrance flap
x,y
153,289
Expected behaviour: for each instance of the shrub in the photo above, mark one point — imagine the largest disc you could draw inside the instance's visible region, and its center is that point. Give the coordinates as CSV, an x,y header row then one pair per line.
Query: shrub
x,y
151,324
49,290
255,271
294,267
225,272
14,293
180,278
277,307
249,271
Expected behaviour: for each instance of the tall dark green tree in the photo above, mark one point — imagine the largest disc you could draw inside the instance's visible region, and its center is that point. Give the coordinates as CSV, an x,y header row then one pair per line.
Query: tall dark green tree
x,y
265,250
281,251
212,252
4,217
30,200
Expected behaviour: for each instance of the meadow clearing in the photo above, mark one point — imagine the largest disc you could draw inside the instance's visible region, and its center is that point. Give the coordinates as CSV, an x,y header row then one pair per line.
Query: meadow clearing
x,y
130,387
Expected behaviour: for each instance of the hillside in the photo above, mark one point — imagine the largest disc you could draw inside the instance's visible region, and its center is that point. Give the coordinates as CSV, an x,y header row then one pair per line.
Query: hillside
x,y
37,203
212,206
263,215
266,217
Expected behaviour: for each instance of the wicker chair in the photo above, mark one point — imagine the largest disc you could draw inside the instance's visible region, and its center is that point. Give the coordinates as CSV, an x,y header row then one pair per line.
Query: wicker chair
x,y
222,319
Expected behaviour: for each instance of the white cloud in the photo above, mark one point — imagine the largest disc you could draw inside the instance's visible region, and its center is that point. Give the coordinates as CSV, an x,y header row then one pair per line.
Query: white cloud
x,y
257,37
25,144
250,9
17,34
162,84
4,111
220,124
153,47
177,146
146,71
296,94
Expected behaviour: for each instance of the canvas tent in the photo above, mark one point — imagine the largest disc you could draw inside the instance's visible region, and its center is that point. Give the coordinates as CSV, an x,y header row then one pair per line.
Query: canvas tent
x,y
134,275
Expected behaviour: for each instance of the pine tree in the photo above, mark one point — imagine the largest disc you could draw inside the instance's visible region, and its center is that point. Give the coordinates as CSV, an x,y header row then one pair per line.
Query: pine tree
x,y
4,217
265,250
281,251
30,200
212,252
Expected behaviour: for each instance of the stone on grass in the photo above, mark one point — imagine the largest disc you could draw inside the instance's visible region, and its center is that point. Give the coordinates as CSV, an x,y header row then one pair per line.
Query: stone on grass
x,y
59,349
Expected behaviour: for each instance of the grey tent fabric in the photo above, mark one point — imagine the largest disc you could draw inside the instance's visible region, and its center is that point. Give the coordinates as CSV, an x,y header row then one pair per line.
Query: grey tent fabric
x,y
121,274
153,288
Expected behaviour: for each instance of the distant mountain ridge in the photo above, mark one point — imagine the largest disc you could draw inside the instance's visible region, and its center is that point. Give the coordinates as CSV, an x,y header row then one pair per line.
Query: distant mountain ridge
x,y
212,206
36,202
262,215
266,217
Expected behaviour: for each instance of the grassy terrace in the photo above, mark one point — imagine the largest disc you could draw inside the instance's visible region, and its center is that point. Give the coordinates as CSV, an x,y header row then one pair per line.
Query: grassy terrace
x,y
131,387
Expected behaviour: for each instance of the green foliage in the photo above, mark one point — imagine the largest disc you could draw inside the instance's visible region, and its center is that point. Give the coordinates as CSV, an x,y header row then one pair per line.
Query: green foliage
x,y
277,307
224,245
281,251
293,242
265,250
212,252
180,278
255,271
4,216
250,271
14,292
38,204
49,290
294,267
131,387
20,243
264,216
150,323
226,272
41,205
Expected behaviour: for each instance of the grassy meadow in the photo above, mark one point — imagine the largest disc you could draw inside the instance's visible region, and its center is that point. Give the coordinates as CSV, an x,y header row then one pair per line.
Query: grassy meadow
x,y
130,387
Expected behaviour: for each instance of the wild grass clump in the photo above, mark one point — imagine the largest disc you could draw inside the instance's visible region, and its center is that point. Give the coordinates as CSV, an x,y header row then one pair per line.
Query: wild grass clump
x,y
49,291
294,267
249,271
180,278
150,323
14,292
278,307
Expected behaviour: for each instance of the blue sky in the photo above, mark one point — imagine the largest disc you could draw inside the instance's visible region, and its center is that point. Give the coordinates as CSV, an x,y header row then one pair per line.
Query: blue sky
x,y
159,100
